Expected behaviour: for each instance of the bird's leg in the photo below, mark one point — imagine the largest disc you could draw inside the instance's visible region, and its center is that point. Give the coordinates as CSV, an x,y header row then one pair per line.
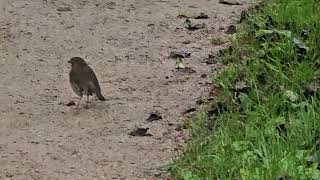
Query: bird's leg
x,y
87,106
79,102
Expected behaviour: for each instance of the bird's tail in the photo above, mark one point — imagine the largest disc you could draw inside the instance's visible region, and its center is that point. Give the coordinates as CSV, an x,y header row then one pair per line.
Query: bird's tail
x,y
100,97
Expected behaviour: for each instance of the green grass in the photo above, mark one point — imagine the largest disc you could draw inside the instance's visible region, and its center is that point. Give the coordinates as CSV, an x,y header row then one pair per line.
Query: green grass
x,y
265,120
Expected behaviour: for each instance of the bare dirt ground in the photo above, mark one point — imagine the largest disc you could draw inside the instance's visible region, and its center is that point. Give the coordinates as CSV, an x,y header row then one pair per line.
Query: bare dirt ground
x,y
127,43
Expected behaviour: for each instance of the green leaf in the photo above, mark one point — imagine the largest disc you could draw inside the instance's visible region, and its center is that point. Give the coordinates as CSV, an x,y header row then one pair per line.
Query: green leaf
x,y
285,33
240,145
188,176
179,64
264,32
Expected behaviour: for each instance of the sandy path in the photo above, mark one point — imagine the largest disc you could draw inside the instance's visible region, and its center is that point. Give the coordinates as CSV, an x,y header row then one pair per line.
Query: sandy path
x,y
127,43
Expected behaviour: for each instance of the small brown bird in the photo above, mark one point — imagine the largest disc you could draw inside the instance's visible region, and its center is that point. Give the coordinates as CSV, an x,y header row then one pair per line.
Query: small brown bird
x,y
83,80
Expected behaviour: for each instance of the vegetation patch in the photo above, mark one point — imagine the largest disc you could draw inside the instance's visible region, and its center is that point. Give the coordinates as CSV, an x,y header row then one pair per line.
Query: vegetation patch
x,y
264,123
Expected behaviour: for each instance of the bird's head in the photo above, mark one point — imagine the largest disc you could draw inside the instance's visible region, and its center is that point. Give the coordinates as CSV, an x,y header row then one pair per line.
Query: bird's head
x,y
77,61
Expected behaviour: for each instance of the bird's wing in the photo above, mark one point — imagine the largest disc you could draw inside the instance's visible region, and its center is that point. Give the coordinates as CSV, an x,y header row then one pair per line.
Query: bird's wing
x,y
93,81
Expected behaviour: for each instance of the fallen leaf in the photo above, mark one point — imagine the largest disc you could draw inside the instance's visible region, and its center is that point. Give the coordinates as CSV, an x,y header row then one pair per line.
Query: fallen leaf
x,y
229,2
192,27
179,54
71,103
292,96
140,132
64,8
183,15
211,59
202,15
241,86
187,70
190,110
154,117
301,48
